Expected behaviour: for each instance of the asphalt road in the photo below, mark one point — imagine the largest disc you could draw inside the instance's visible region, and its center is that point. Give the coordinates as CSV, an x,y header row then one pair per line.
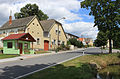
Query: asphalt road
x,y
11,70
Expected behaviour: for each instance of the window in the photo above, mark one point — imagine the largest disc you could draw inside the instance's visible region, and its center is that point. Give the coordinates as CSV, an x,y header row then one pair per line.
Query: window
x,y
32,31
33,23
38,41
59,32
56,31
37,24
63,42
9,45
4,32
26,46
54,42
59,42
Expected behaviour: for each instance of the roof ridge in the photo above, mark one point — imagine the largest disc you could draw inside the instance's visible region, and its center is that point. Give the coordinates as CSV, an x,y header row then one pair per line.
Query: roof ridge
x,y
22,18
17,22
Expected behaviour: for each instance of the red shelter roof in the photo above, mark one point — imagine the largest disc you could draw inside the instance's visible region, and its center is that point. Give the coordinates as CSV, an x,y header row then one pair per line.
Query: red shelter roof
x,y
21,36
14,36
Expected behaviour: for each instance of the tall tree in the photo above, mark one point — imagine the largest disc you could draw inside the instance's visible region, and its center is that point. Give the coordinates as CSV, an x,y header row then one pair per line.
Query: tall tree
x,y
31,10
101,39
106,15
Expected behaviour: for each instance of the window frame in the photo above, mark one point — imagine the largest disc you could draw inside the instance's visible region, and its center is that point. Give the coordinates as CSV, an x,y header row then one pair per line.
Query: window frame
x,y
9,46
38,41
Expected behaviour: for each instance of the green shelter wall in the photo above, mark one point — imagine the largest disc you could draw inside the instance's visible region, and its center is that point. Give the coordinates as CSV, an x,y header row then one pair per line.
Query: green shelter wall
x,y
14,49
10,50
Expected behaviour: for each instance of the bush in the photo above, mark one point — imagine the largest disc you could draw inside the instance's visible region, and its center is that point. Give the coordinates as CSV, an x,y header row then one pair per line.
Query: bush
x,y
75,42
62,47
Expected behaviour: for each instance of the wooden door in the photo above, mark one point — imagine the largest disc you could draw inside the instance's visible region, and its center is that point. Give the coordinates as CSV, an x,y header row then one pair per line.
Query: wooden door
x,y
20,47
46,45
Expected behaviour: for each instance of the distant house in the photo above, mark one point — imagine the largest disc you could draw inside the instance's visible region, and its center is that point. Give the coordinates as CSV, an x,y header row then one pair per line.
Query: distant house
x,y
48,33
82,40
108,44
69,35
86,41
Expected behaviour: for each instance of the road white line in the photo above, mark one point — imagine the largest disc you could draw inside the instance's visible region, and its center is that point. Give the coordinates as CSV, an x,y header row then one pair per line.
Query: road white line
x,y
46,67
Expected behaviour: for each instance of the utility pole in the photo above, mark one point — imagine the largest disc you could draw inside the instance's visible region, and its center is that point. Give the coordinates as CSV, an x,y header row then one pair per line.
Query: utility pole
x,y
58,30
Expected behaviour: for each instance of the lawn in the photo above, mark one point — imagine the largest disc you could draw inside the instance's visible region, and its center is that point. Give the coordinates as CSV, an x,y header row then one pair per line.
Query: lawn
x,y
41,52
3,56
78,68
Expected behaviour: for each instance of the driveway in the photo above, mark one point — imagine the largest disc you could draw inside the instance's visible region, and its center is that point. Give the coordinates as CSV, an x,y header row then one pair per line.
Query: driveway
x,y
13,69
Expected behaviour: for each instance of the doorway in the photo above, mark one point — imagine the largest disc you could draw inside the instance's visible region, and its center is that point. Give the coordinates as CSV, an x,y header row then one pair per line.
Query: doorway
x,y
20,46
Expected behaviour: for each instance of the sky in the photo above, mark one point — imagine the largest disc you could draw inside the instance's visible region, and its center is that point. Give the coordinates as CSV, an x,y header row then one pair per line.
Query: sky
x,y
77,22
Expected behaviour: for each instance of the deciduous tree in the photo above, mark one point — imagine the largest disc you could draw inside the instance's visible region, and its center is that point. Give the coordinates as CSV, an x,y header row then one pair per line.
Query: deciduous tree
x,y
31,10
106,15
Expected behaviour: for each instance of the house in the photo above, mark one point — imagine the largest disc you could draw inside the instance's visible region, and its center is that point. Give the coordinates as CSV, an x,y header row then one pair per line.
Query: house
x,y
82,40
108,45
86,41
54,33
47,33
18,44
69,35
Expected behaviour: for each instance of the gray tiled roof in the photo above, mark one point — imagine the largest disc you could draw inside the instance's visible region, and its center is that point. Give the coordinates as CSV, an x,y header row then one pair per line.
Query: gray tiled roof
x,y
17,23
47,24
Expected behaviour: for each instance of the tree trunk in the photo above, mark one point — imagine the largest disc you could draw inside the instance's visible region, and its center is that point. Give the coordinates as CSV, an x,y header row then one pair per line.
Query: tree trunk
x,y
110,46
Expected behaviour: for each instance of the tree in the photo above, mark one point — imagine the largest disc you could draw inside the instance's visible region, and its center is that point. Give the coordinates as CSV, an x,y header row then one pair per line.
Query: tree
x,y
106,15
31,10
101,39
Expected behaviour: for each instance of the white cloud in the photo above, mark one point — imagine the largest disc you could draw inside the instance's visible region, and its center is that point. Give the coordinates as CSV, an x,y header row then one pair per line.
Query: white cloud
x,y
85,29
55,9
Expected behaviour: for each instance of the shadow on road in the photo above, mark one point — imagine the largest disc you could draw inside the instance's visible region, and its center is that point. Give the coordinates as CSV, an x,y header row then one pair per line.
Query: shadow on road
x,y
15,71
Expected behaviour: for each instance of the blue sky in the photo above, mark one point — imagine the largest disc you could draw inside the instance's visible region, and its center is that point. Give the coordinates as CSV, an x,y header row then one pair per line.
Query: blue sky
x,y
77,20
84,14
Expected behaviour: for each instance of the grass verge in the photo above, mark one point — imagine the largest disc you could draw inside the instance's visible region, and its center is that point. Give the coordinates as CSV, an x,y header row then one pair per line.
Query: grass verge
x,y
78,68
41,52
3,56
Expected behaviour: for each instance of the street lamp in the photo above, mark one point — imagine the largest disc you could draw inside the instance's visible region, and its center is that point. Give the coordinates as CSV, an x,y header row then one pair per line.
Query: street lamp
x,y
58,28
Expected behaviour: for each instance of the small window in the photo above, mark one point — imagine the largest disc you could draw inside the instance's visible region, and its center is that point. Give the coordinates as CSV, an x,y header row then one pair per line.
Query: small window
x,y
4,32
37,24
63,42
59,42
26,46
32,31
56,31
33,24
53,42
59,32
38,41
9,45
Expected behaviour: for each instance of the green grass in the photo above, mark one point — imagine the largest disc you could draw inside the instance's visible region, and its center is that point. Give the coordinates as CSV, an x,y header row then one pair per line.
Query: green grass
x,y
3,56
41,52
78,68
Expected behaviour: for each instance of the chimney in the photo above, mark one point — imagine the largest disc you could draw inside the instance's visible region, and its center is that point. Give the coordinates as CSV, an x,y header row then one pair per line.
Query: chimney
x,y
10,20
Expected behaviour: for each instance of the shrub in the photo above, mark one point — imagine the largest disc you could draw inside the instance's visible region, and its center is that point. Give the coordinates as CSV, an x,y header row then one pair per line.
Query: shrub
x,y
75,42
